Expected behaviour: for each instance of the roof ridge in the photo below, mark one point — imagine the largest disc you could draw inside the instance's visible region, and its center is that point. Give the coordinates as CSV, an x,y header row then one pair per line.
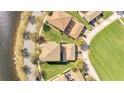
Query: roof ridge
x,y
53,50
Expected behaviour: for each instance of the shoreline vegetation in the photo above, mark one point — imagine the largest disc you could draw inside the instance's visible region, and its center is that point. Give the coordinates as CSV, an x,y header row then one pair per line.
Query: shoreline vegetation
x,y
19,44
13,44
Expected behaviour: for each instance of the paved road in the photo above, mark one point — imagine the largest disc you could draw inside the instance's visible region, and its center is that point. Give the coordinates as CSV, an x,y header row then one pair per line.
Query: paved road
x,y
89,38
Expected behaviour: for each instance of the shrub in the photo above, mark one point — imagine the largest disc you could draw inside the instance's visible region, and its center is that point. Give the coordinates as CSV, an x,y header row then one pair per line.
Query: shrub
x,y
90,78
49,13
79,42
74,68
79,64
44,74
34,36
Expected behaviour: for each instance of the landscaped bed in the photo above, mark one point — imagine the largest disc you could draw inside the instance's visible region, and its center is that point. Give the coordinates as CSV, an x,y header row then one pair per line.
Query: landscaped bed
x,y
54,69
107,52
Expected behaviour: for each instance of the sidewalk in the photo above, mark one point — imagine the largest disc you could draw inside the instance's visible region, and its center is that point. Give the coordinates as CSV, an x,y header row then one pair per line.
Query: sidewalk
x,y
90,36
29,44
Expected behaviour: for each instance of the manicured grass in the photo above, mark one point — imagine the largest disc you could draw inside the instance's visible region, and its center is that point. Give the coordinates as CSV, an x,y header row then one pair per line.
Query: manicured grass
x,y
107,52
55,36
55,68
106,14
122,19
76,15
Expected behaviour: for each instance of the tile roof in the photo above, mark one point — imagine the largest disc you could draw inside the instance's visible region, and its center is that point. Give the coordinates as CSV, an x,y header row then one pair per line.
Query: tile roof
x,y
59,19
90,15
70,51
50,52
76,30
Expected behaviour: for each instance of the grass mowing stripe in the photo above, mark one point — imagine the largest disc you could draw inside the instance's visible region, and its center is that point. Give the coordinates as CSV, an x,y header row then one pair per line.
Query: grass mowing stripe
x,y
107,52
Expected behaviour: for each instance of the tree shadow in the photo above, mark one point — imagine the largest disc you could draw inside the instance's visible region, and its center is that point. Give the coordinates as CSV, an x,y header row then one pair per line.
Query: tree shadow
x,y
58,63
85,46
85,68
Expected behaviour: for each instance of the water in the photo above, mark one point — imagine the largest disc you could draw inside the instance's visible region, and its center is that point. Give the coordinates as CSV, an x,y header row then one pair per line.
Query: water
x,y
8,21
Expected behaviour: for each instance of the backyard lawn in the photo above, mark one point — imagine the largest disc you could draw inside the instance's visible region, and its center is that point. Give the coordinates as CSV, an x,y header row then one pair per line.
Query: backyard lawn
x,y
55,68
55,36
107,52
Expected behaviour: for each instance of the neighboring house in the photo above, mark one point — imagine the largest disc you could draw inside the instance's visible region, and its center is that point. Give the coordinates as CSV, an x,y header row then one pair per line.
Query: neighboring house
x,y
66,24
70,75
91,16
53,52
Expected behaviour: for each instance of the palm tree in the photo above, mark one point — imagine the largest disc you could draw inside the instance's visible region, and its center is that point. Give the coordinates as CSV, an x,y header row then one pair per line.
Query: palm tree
x,y
35,55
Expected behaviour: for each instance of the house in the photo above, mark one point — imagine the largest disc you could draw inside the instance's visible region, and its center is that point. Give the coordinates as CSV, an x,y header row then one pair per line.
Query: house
x,y
66,24
53,52
70,75
91,16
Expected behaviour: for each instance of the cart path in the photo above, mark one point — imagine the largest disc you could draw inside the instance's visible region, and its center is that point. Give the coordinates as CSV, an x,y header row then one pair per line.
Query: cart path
x,y
85,54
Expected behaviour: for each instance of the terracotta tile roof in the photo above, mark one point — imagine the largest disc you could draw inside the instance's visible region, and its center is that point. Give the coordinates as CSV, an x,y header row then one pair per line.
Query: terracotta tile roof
x,y
76,30
70,51
59,19
90,15
50,52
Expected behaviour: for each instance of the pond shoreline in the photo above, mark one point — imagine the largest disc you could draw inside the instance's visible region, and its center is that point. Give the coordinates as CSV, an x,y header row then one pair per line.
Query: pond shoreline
x,y
13,45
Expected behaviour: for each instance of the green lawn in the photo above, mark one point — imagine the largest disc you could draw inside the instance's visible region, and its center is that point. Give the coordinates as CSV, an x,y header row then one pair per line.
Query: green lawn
x,y
122,19
56,36
56,68
76,15
106,14
107,52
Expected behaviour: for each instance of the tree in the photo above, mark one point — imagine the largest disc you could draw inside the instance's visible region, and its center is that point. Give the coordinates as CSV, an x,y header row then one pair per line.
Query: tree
x,y
39,22
41,40
34,36
49,13
35,55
